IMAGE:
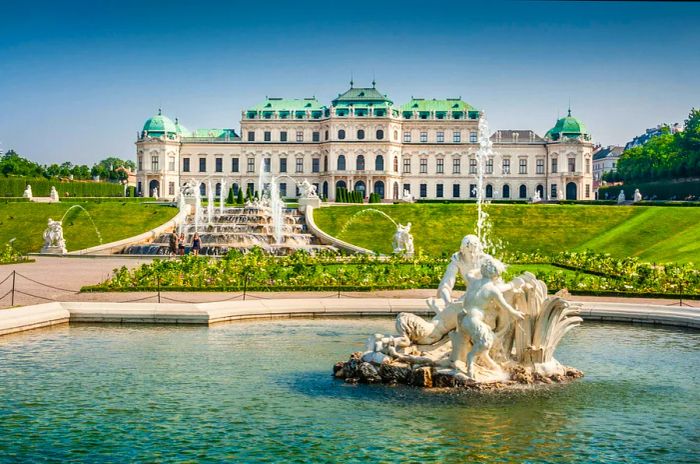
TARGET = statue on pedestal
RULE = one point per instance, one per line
(54, 242)
(407, 196)
(54, 194)
(637, 196)
(155, 192)
(308, 190)
(403, 240)
(537, 198)
(28, 192)
(621, 197)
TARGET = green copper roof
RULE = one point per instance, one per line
(569, 127)
(213, 133)
(159, 124)
(181, 130)
(362, 96)
(449, 104)
(288, 104)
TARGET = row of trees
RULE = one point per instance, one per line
(667, 156)
(110, 169)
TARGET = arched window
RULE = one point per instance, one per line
(326, 135)
(540, 190)
(396, 164)
(380, 134)
(341, 163)
(218, 189)
(360, 134)
(360, 165)
(489, 191)
(506, 191)
(396, 190)
(235, 188)
(379, 163)
(341, 185)
(203, 189)
(523, 191)
(379, 188)
(360, 187)
(341, 134)
(325, 189)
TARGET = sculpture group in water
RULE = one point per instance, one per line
(497, 331)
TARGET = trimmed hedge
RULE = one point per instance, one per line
(663, 190)
(14, 187)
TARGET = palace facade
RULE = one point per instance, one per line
(364, 142)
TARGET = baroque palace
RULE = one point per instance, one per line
(364, 142)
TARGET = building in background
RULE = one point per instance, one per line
(653, 132)
(605, 160)
(363, 141)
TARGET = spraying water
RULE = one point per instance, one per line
(354, 217)
(222, 197)
(210, 202)
(483, 225)
(197, 206)
(99, 235)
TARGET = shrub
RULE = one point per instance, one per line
(14, 187)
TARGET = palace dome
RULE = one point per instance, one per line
(569, 127)
(159, 125)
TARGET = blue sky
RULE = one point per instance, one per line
(78, 79)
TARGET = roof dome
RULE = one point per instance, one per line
(159, 125)
(569, 127)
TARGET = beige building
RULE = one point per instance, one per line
(364, 142)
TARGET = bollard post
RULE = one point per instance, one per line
(245, 285)
(14, 274)
(158, 288)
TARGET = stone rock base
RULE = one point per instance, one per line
(356, 371)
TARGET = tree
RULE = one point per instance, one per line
(239, 198)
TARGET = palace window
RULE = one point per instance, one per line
(553, 192)
(407, 165)
(219, 164)
(523, 191)
(539, 169)
(251, 165)
(489, 191)
(522, 166)
(171, 164)
(202, 165)
(407, 137)
(283, 164)
(267, 164)
(315, 165)
(380, 134)
(440, 166)
(396, 164)
(155, 163)
(267, 136)
(185, 164)
(423, 190)
(440, 136)
(489, 166)
(506, 191)
(235, 165)
(315, 136)
(299, 165)
(171, 188)
(473, 137)
(251, 136)
(341, 134)
(283, 189)
(341, 163)
(439, 190)
(379, 163)
(326, 134)
(506, 166)
(455, 190)
(423, 137)
(456, 165)
(588, 190)
(407, 187)
(554, 166)
(472, 166)
(140, 163)
(360, 134)
(250, 190)
(572, 164)
(283, 136)
(423, 166)
(456, 137)
(360, 163)
(472, 190)
(300, 136)
(588, 168)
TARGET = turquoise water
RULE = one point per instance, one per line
(262, 392)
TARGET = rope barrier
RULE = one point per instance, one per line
(47, 285)
(34, 296)
(6, 278)
(6, 294)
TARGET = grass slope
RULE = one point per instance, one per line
(115, 220)
(657, 234)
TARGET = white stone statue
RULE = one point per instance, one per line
(536, 198)
(28, 192)
(403, 240)
(54, 194)
(155, 192)
(560, 194)
(308, 190)
(407, 196)
(637, 196)
(53, 238)
(189, 188)
(621, 197)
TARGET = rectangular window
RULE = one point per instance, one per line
(267, 136)
(572, 164)
(251, 136)
(424, 166)
(267, 164)
(185, 165)
(171, 188)
(283, 164)
(588, 168)
(588, 190)
(297, 192)
(439, 190)
(554, 166)
(316, 136)
(155, 163)
(455, 190)
(423, 137)
(251, 165)
(553, 192)
(472, 166)
(407, 165)
(202, 165)
(406, 188)
(283, 136)
(300, 165)
(473, 137)
(219, 164)
(456, 137)
(539, 169)
(423, 190)
(235, 165)
(315, 165)
(456, 165)
(440, 136)
(407, 137)
(171, 164)
(472, 190)
(489, 166)
(283, 190)
(522, 166)
(440, 166)
(140, 163)
(300, 136)
(506, 166)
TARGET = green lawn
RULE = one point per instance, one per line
(114, 220)
(653, 233)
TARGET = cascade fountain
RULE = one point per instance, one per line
(222, 197)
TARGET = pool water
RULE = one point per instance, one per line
(263, 392)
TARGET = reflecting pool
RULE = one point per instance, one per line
(263, 391)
